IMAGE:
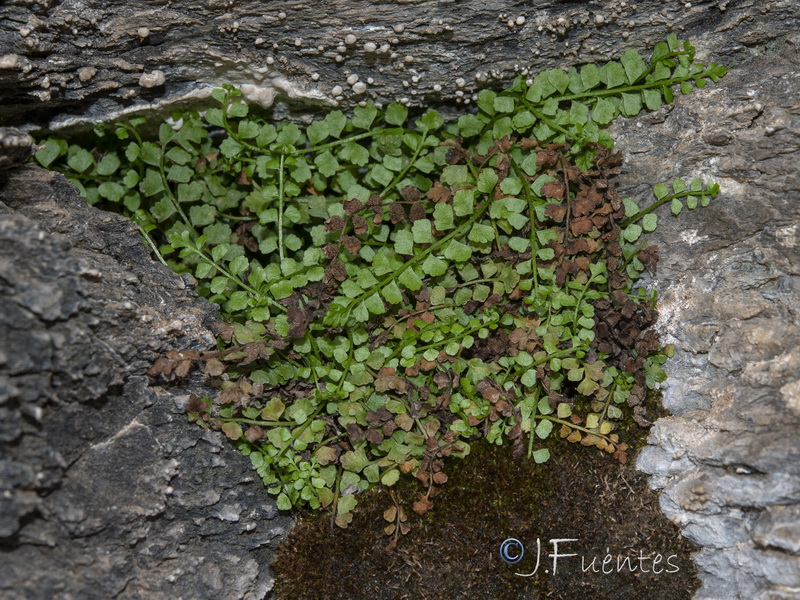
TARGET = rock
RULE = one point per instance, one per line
(15, 147)
(779, 527)
(728, 461)
(107, 490)
(442, 55)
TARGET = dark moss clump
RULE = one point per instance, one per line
(453, 552)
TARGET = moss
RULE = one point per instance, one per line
(453, 551)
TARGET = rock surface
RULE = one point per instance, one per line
(106, 491)
(728, 461)
(78, 61)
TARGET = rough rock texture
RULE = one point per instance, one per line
(88, 453)
(106, 491)
(78, 60)
(728, 461)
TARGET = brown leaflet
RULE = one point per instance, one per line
(335, 223)
(417, 212)
(352, 206)
(330, 251)
(488, 390)
(553, 189)
(254, 433)
(438, 193)
(351, 243)
(337, 270)
(359, 224)
(397, 213)
(557, 212)
(580, 226)
(586, 200)
(410, 193)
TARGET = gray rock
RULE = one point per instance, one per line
(728, 462)
(779, 527)
(106, 490)
(77, 61)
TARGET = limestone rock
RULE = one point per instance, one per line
(729, 279)
(107, 490)
(82, 62)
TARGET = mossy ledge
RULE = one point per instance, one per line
(453, 551)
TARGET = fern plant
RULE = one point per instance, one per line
(395, 288)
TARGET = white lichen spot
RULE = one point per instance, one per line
(143, 32)
(264, 95)
(315, 77)
(691, 237)
(599, 19)
(337, 90)
(86, 73)
(359, 88)
(152, 79)
(437, 87)
(352, 79)
(259, 41)
(399, 28)
(791, 395)
(370, 47)
(520, 20)
(10, 61)
(350, 39)
(281, 15)
(787, 236)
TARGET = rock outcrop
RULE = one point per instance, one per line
(76, 61)
(106, 491)
(728, 461)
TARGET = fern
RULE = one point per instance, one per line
(396, 287)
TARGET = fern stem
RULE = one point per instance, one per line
(280, 206)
